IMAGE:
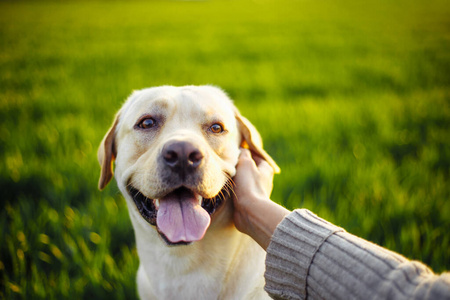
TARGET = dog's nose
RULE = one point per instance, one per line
(182, 156)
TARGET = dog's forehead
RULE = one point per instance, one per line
(193, 101)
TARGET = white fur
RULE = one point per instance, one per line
(225, 264)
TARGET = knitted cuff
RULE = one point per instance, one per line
(291, 251)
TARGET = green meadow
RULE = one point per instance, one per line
(352, 99)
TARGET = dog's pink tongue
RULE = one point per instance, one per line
(181, 218)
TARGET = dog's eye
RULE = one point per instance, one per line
(216, 128)
(147, 123)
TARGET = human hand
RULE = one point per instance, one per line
(253, 183)
(254, 213)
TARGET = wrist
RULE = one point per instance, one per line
(264, 217)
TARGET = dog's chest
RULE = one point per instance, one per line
(197, 284)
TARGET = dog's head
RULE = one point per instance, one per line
(175, 151)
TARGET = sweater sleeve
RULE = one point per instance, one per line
(309, 257)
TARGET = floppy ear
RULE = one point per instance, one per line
(251, 139)
(107, 154)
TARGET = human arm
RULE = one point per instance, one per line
(254, 213)
(310, 257)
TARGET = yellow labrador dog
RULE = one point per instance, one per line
(175, 151)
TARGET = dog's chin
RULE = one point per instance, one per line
(148, 208)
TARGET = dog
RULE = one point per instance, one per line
(175, 151)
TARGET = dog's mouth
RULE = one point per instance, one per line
(182, 216)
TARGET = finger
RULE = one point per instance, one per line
(245, 153)
(265, 168)
(257, 158)
(245, 158)
(261, 162)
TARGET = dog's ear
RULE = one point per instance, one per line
(106, 155)
(251, 139)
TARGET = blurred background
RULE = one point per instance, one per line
(351, 98)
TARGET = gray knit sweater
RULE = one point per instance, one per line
(311, 258)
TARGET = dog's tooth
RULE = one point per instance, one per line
(156, 203)
(199, 199)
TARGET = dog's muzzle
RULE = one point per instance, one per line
(182, 216)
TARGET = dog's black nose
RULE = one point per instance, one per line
(182, 156)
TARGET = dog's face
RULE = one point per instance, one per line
(176, 149)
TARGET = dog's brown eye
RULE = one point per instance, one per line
(216, 128)
(147, 123)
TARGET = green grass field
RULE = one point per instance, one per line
(352, 99)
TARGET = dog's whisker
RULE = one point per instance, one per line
(230, 187)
